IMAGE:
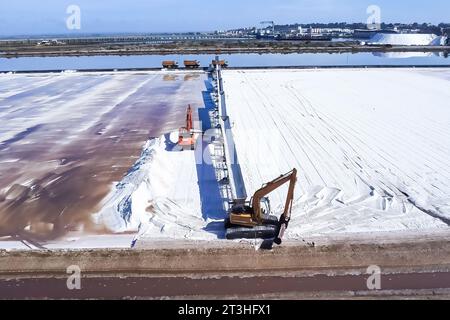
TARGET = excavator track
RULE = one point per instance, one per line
(269, 230)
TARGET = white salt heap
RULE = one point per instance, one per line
(407, 39)
(372, 148)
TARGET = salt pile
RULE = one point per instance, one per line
(404, 39)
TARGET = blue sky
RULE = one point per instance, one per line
(23, 17)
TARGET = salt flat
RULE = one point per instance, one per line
(66, 138)
(372, 146)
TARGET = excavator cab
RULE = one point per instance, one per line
(265, 207)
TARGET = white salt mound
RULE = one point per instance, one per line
(405, 39)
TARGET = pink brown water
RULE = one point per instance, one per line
(65, 140)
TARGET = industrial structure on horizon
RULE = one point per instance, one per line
(265, 31)
(268, 30)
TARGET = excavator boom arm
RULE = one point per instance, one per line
(189, 123)
(272, 186)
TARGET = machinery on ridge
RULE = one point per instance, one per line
(186, 136)
(191, 64)
(170, 64)
(252, 219)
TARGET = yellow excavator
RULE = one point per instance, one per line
(253, 219)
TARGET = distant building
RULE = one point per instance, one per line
(53, 42)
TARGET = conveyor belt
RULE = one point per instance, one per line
(236, 179)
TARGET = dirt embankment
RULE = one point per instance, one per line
(221, 258)
(11, 50)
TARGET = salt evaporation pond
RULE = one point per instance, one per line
(66, 139)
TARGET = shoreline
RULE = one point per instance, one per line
(395, 253)
(205, 69)
(332, 268)
(96, 50)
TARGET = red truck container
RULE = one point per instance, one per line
(192, 64)
(221, 63)
(170, 64)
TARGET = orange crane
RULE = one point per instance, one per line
(253, 220)
(186, 137)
